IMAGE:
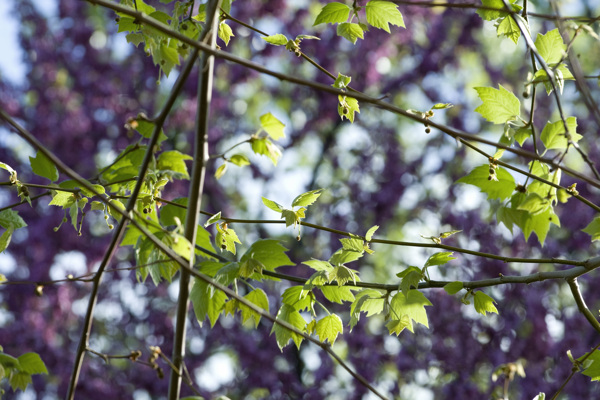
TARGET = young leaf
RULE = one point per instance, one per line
(306, 199)
(382, 13)
(369, 301)
(333, 13)
(484, 304)
(240, 160)
(272, 205)
(342, 81)
(297, 298)
(10, 219)
(495, 189)
(410, 279)
(225, 32)
(319, 265)
(551, 47)
(213, 219)
(63, 199)
(42, 166)
(269, 253)
(347, 106)
(278, 39)
(442, 106)
(350, 31)
(283, 335)
(272, 126)
(259, 298)
(353, 244)
(31, 363)
(226, 239)
(413, 305)
(371, 232)
(593, 229)
(343, 275)
(490, 15)
(439, 258)
(499, 105)
(453, 287)
(328, 328)
(206, 305)
(338, 294)
(591, 366)
(553, 134)
(265, 147)
(508, 27)
(174, 162)
(221, 171)
(396, 326)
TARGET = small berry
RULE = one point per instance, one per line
(427, 130)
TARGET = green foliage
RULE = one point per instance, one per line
(294, 216)
(499, 105)
(380, 15)
(593, 229)
(453, 287)
(20, 369)
(500, 188)
(411, 305)
(591, 365)
(9, 220)
(484, 304)
(283, 335)
(207, 303)
(553, 136)
(42, 166)
(328, 328)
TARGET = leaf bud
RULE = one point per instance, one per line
(39, 290)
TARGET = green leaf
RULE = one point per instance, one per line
(31, 363)
(440, 258)
(453, 287)
(42, 166)
(11, 219)
(265, 147)
(20, 380)
(297, 298)
(593, 229)
(522, 134)
(283, 335)
(272, 126)
(333, 13)
(342, 81)
(534, 203)
(499, 105)
(369, 301)
(484, 304)
(353, 244)
(5, 239)
(350, 31)
(306, 199)
(206, 305)
(343, 275)
(169, 212)
(226, 239)
(382, 13)
(213, 219)
(551, 47)
(398, 325)
(344, 256)
(442, 106)
(319, 265)
(240, 160)
(371, 232)
(526, 221)
(553, 134)
(508, 27)
(63, 199)
(490, 15)
(591, 365)
(272, 205)
(174, 161)
(347, 106)
(278, 39)
(225, 32)
(268, 252)
(500, 189)
(413, 305)
(259, 298)
(410, 278)
(338, 294)
(329, 327)
(221, 171)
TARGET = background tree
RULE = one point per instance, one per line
(86, 86)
